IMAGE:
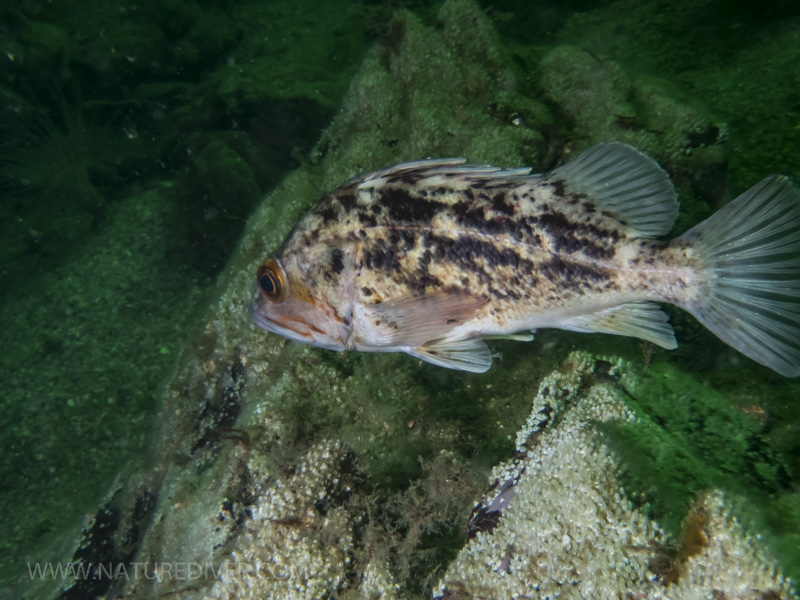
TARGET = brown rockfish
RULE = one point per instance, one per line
(431, 257)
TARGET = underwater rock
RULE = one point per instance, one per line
(77, 378)
(426, 92)
(557, 521)
(604, 102)
(297, 540)
(208, 474)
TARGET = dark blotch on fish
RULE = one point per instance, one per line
(337, 261)
(405, 207)
(574, 275)
(328, 212)
(348, 201)
(572, 237)
(500, 205)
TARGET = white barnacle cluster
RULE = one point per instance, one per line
(729, 563)
(292, 548)
(557, 522)
(377, 582)
(560, 388)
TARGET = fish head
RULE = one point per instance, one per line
(298, 297)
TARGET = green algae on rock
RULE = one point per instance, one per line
(557, 521)
(603, 101)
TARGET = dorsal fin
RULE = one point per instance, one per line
(433, 169)
(628, 184)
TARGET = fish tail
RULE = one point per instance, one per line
(748, 291)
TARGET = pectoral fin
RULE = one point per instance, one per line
(644, 320)
(415, 320)
(465, 354)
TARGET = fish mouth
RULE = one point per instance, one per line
(285, 326)
(316, 325)
(294, 329)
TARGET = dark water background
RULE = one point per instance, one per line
(135, 139)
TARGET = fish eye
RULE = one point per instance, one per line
(271, 280)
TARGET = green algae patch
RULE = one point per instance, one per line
(397, 414)
(736, 59)
(130, 157)
(79, 387)
(688, 438)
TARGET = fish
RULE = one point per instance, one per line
(434, 257)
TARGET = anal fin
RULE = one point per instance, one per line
(643, 320)
(463, 354)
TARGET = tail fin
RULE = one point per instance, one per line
(750, 292)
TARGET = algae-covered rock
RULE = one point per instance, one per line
(292, 51)
(78, 375)
(557, 520)
(425, 93)
(299, 540)
(602, 101)
(244, 407)
(737, 57)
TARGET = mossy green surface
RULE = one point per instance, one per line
(86, 349)
(134, 141)
(689, 437)
(736, 59)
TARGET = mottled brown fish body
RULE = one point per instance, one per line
(531, 248)
(427, 257)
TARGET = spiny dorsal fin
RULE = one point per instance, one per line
(626, 183)
(435, 170)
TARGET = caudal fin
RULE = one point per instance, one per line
(749, 294)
